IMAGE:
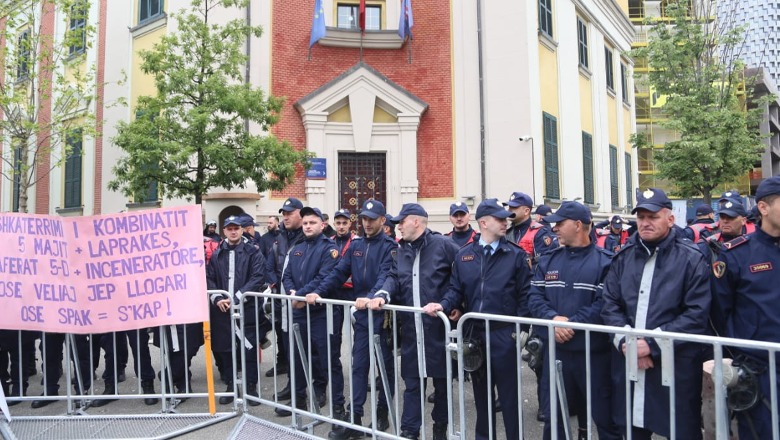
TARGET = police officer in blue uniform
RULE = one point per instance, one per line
(462, 233)
(703, 226)
(367, 263)
(746, 297)
(533, 237)
(541, 213)
(290, 234)
(421, 276)
(658, 280)
(309, 263)
(567, 286)
(236, 267)
(732, 222)
(491, 275)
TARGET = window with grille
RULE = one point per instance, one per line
(551, 171)
(582, 37)
(587, 167)
(613, 176)
(545, 17)
(23, 54)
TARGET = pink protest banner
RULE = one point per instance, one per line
(102, 273)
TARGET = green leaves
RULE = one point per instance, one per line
(191, 136)
(694, 65)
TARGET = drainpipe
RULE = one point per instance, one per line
(482, 154)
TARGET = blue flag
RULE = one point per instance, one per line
(318, 23)
(407, 21)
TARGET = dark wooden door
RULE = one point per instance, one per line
(362, 176)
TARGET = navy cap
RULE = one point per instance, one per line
(389, 221)
(493, 208)
(570, 211)
(290, 205)
(458, 207)
(410, 209)
(652, 199)
(247, 220)
(768, 187)
(732, 208)
(543, 210)
(342, 213)
(753, 214)
(704, 210)
(312, 211)
(617, 222)
(519, 199)
(733, 194)
(372, 209)
(233, 220)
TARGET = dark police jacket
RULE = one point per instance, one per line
(746, 290)
(436, 253)
(679, 301)
(498, 286)
(310, 262)
(248, 277)
(544, 240)
(367, 261)
(274, 263)
(268, 240)
(568, 282)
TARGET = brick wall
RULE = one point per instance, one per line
(428, 77)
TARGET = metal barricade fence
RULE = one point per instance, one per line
(300, 334)
(725, 377)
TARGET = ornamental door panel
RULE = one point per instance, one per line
(362, 176)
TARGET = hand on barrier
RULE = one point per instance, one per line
(376, 303)
(312, 298)
(644, 362)
(455, 314)
(563, 335)
(223, 305)
(433, 308)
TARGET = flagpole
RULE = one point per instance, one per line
(361, 46)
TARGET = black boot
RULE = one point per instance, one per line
(224, 400)
(382, 423)
(342, 433)
(40, 403)
(147, 386)
(15, 392)
(301, 404)
(108, 391)
(251, 390)
(284, 393)
(439, 431)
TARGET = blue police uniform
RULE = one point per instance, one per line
(543, 241)
(248, 276)
(496, 284)
(677, 299)
(367, 262)
(568, 282)
(427, 260)
(310, 262)
(746, 295)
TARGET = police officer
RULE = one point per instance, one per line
(746, 295)
(309, 263)
(703, 226)
(54, 343)
(491, 275)
(659, 280)
(567, 286)
(210, 231)
(614, 237)
(421, 276)
(236, 267)
(139, 344)
(732, 222)
(462, 233)
(290, 234)
(542, 211)
(367, 263)
(533, 237)
(250, 236)
(16, 347)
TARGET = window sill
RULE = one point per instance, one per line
(585, 72)
(143, 205)
(547, 41)
(336, 37)
(150, 25)
(611, 92)
(70, 212)
(627, 105)
(552, 202)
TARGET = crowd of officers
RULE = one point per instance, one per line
(709, 278)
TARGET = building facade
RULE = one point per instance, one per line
(487, 98)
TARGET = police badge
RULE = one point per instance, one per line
(719, 268)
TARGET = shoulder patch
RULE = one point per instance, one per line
(297, 254)
(334, 253)
(393, 253)
(547, 241)
(742, 239)
(719, 269)
(468, 257)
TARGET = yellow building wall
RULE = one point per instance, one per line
(142, 84)
(548, 74)
(586, 105)
(612, 110)
(627, 130)
(623, 5)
